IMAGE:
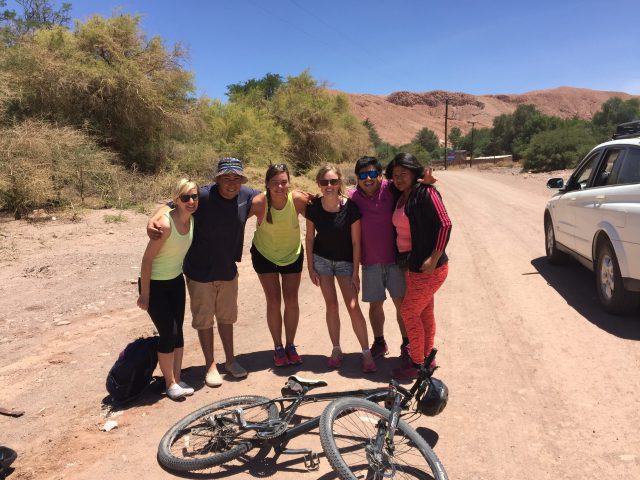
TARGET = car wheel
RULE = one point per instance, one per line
(554, 256)
(611, 292)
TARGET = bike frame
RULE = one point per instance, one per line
(395, 396)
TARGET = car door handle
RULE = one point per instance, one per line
(600, 197)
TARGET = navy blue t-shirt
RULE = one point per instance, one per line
(218, 235)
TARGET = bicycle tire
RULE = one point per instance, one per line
(347, 428)
(213, 446)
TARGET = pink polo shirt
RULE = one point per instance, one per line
(377, 229)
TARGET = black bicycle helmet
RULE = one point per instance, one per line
(434, 399)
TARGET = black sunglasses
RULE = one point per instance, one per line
(330, 181)
(369, 174)
(185, 198)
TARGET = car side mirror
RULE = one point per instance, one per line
(556, 182)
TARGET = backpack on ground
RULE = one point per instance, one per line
(133, 371)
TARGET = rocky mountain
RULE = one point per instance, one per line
(400, 115)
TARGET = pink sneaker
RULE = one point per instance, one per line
(335, 360)
(292, 355)
(280, 357)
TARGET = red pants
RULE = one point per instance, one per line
(417, 310)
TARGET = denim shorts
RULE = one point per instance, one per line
(380, 277)
(337, 268)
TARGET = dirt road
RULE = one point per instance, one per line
(543, 383)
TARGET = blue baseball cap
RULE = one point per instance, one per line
(230, 166)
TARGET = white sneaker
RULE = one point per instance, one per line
(187, 388)
(176, 392)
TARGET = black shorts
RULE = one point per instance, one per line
(262, 265)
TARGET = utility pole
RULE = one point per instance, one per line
(446, 130)
(473, 124)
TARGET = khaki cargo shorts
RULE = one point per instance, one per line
(213, 300)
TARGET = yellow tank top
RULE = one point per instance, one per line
(279, 242)
(168, 263)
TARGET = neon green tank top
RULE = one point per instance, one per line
(168, 263)
(279, 242)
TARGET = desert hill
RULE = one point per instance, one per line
(400, 115)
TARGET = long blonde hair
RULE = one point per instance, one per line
(330, 167)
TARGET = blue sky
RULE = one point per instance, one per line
(380, 47)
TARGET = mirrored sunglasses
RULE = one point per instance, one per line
(328, 181)
(185, 198)
(368, 174)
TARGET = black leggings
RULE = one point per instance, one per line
(166, 309)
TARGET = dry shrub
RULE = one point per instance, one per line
(44, 166)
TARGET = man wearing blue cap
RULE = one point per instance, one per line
(210, 264)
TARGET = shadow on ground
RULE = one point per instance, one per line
(577, 286)
(263, 462)
(316, 366)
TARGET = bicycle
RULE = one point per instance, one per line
(222, 431)
(363, 440)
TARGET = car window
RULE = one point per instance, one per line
(609, 162)
(580, 179)
(629, 171)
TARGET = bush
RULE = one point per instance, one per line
(42, 165)
(560, 148)
(319, 125)
(105, 75)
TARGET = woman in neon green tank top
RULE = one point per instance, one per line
(277, 257)
(162, 290)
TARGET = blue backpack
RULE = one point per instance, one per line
(133, 371)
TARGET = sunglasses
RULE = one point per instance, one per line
(328, 181)
(185, 198)
(368, 174)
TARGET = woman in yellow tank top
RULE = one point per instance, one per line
(162, 290)
(277, 257)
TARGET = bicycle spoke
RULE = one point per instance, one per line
(361, 440)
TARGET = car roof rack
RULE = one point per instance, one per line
(627, 130)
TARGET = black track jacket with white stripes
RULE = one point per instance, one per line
(430, 225)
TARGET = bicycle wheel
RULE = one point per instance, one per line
(195, 443)
(348, 430)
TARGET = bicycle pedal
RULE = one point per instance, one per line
(311, 461)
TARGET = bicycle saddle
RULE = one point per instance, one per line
(308, 383)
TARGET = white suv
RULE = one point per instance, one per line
(595, 218)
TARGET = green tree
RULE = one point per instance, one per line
(35, 14)
(427, 139)
(107, 76)
(511, 133)
(384, 151)
(614, 112)
(237, 129)
(263, 88)
(455, 137)
(481, 139)
(423, 155)
(319, 124)
(559, 148)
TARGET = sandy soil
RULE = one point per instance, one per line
(543, 384)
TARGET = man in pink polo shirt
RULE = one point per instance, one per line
(376, 199)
